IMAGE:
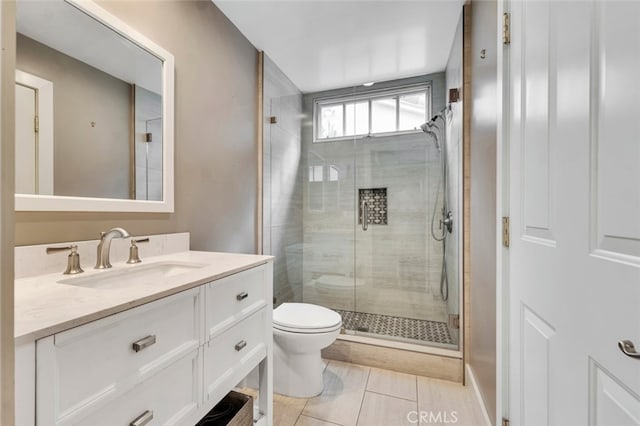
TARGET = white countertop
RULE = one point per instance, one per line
(44, 307)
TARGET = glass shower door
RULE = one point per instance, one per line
(399, 293)
(329, 206)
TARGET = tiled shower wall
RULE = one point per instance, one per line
(391, 269)
(282, 184)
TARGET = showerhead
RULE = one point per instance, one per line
(431, 128)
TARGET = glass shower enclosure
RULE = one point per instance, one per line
(349, 200)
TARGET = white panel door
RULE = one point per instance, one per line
(574, 204)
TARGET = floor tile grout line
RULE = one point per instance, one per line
(320, 420)
(393, 396)
(307, 401)
(366, 383)
(300, 413)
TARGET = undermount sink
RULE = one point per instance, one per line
(132, 274)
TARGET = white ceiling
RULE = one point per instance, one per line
(323, 44)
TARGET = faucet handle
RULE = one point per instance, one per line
(73, 260)
(133, 250)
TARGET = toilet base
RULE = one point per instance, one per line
(298, 375)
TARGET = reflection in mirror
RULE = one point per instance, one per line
(88, 108)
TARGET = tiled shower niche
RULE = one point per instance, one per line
(376, 198)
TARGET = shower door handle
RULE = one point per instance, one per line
(365, 216)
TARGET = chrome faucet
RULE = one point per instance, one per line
(102, 260)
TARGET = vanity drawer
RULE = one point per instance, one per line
(230, 356)
(168, 398)
(232, 298)
(83, 368)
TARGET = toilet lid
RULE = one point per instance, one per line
(305, 316)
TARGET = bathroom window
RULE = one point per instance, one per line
(382, 112)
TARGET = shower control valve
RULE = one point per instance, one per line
(447, 222)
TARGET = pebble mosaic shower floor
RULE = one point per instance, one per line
(430, 331)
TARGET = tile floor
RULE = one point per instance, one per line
(355, 395)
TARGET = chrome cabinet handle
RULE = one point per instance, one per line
(365, 216)
(240, 345)
(242, 296)
(144, 343)
(627, 347)
(142, 419)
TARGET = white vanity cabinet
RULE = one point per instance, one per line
(167, 362)
(236, 330)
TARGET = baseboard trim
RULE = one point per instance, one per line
(474, 384)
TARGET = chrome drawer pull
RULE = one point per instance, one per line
(142, 419)
(240, 345)
(144, 343)
(242, 296)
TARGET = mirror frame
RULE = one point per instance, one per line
(30, 202)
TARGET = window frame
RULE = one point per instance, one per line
(370, 96)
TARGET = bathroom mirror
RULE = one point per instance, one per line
(94, 112)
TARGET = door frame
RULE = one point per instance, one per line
(7, 213)
(502, 207)
(44, 108)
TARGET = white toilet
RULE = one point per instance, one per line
(300, 331)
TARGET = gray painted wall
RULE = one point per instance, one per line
(483, 201)
(215, 134)
(282, 185)
(89, 160)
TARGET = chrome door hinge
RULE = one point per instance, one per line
(36, 124)
(506, 29)
(505, 231)
(454, 321)
(505, 422)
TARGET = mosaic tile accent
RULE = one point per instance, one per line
(430, 331)
(376, 198)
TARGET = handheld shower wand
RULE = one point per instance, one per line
(446, 221)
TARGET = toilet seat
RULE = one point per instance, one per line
(305, 318)
(307, 330)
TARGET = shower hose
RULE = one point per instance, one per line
(444, 281)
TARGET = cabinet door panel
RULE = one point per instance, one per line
(84, 368)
